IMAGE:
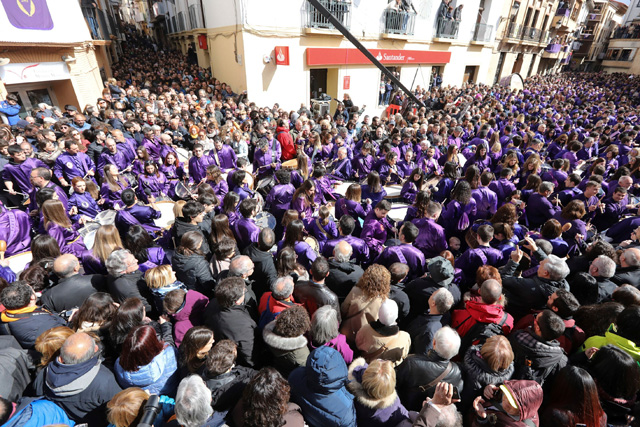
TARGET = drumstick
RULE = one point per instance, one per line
(17, 192)
(3, 249)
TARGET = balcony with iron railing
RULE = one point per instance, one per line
(97, 23)
(530, 34)
(482, 33)
(447, 28)
(513, 31)
(399, 22)
(341, 10)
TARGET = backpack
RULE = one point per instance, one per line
(267, 316)
(480, 333)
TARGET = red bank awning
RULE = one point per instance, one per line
(327, 56)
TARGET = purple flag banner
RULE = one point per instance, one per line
(28, 14)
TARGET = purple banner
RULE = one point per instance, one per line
(28, 14)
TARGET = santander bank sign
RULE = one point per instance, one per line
(329, 56)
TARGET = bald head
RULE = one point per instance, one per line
(342, 252)
(630, 258)
(241, 266)
(66, 266)
(78, 348)
(625, 181)
(490, 291)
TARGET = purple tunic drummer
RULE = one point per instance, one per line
(72, 164)
(16, 174)
(376, 225)
(198, 164)
(152, 183)
(58, 225)
(14, 229)
(431, 238)
(223, 155)
(245, 228)
(293, 239)
(405, 253)
(111, 155)
(112, 186)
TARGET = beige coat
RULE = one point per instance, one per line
(396, 346)
(357, 311)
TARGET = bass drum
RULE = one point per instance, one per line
(167, 218)
(184, 190)
(265, 219)
(107, 217)
(265, 185)
(17, 263)
(88, 233)
(311, 241)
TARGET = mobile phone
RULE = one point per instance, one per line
(456, 394)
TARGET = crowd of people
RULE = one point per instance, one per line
(285, 290)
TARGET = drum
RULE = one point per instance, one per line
(341, 189)
(290, 164)
(265, 185)
(88, 233)
(393, 192)
(132, 178)
(167, 218)
(185, 190)
(398, 211)
(311, 241)
(107, 217)
(17, 263)
(265, 219)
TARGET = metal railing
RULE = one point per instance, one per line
(482, 32)
(530, 34)
(341, 10)
(447, 28)
(513, 31)
(399, 22)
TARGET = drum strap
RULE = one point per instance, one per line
(321, 228)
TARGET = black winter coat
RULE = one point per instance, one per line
(194, 272)
(343, 276)
(72, 292)
(226, 389)
(233, 323)
(264, 269)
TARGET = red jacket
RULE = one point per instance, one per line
(275, 306)
(463, 320)
(286, 142)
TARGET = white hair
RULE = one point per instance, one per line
(324, 325)
(631, 257)
(193, 402)
(557, 268)
(340, 255)
(282, 288)
(446, 342)
(116, 262)
(443, 299)
(605, 265)
(388, 312)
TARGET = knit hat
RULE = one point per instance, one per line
(441, 271)
(388, 313)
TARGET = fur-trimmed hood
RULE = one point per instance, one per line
(282, 343)
(356, 370)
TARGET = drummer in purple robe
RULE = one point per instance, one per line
(265, 162)
(82, 205)
(111, 155)
(293, 239)
(174, 171)
(442, 190)
(199, 163)
(303, 201)
(405, 252)
(126, 145)
(149, 142)
(279, 198)
(483, 254)
(413, 184)
(389, 172)
(245, 228)
(323, 227)
(539, 207)
(152, 182)
(217, 182)
(112, 185)
(58, 225)
(325, 191)
(241, 187)
(431, 239)
(41, 178)
(486, 199)
(346, 227)
(376, 225)
(407, 164)
(166, 146)
(223, 155)
(341, 168)
(363, 162)
(503, 187)
(17, 173)
(353, 205)
(429, 164)
(73, 163)
(135, 214)
(14, 229)
(571, 190)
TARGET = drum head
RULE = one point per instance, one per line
(168, 217)
(265, 219)
(311, 241)
(89, 239)
(17, 263)
(89, 228)
(290, 164)
(184, 191)
(106, 217)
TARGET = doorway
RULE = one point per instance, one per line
(470, 72)
(318, 82)
(30, 95)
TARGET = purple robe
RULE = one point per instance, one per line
(86, 205)
(406, 167)
(153, 148)
(69, 241)
(20, 174)
(322, 233)
(107, 158)
(486, 202)
(405, 254)
(92, 264)
(472, 259)
(246, 232)
(375, 197)
(155, 257)
(220, 189)
(388, 175)
(279, 199)
(226, 158)
(14, 229)
(233, 217)
(69, 167)
(305, 211)
(539, 210)
(262, 163)
(456, 218)
(112, 198)
(137, 215)
(157, 184)
(409, 191)
(360, 249)
(431, 238)
(357, 211)
(362, 165)
(305, 254)
(429, 166)
(503, 189)
(342, 169)
(374, 231)
(62, 196)
(198, 167)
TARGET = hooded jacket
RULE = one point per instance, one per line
(343, 276)
(226, 389)
(160, 376)
(180, 227)
(372, 412)
(26, 324)
(288, 352)
(193, 270)
(264, 269)
(373, 337)
(233, 323)
(528, 396)
(319, 388)
(82, 390)
(610, 337)
(463, 320)
(36, 413)
(536, 359)
(478, 374)
(191, 314)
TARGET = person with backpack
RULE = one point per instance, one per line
(279, 299)
(538, 354)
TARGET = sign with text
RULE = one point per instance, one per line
(327, 56)
(30, 73)
(282, 55)
(346, 84)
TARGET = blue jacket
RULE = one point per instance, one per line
(36, 413)
(158, 377)
(319, 389)
(11, 111)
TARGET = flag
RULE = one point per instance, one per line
(28, 14)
